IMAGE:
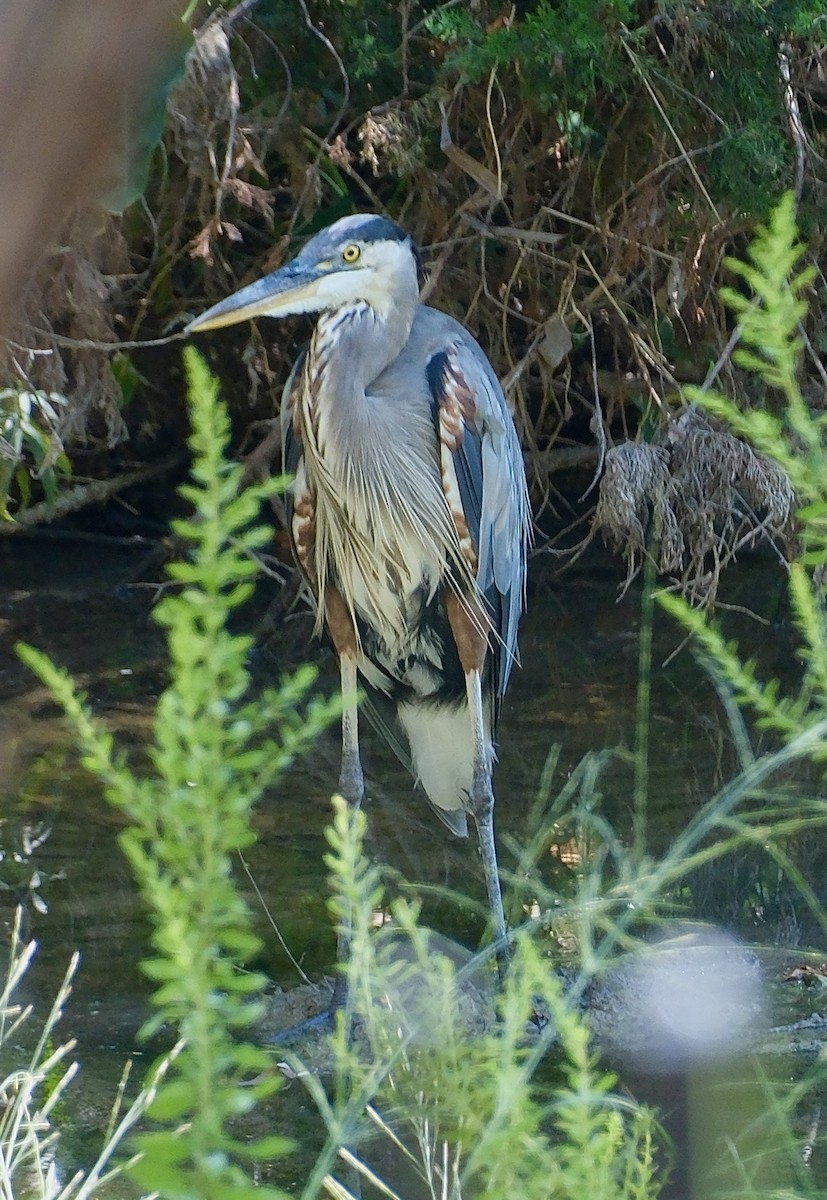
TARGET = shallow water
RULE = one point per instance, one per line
(576, 689)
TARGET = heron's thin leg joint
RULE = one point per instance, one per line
(488, 854)
(343, 635)
(351, 778)
(352, 787)
(470, 626)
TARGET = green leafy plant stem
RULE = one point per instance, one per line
(215, 751)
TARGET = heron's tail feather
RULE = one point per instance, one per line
(454, 818)
(416, 735)
(439, 736)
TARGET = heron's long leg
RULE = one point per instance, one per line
(343, 634)
(470, 629)
(352, 787)
(351, 779)
(481, 798)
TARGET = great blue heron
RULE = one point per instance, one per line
(408, 513)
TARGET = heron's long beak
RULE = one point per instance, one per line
(291, 290)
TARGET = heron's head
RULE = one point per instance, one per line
(358, 258)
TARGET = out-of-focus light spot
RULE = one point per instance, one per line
(691, 999)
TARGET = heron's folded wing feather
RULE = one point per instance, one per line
(291, 446)
(487, 459)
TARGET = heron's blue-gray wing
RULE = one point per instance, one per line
(479, 440)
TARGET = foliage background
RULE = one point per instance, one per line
(575, 172)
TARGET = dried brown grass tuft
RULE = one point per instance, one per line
(73, 294)
(701, 496)
(637, 491)
(206, 136)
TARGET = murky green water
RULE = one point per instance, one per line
(576, 688)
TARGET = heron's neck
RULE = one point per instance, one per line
(354, 344)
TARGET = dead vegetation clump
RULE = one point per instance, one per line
(568, 266)
(92, 285)
(636, 492)
(70, 306)
(696, 499)
(213, 148)
(389, 142)
(581, 241)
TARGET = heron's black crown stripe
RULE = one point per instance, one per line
(380, 229)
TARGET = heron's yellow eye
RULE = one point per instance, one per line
(351, 253)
